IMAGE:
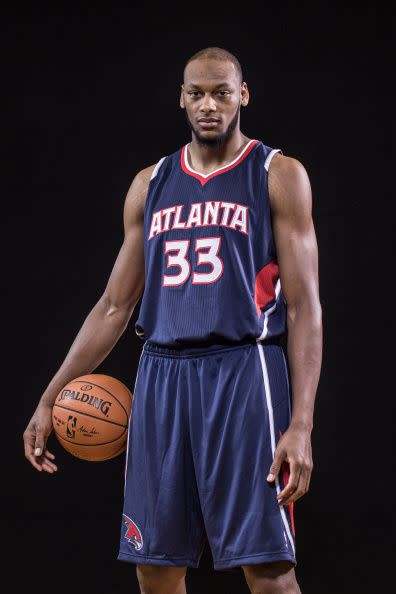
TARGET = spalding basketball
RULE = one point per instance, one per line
(90, 417)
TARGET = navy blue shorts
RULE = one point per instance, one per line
(204, 426)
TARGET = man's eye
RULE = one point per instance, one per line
(224, 93)
(194, 93)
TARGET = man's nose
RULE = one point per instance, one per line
(208, 103)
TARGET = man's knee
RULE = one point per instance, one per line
(158, 579)
(271, 578)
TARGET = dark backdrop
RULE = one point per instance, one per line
(92, 99)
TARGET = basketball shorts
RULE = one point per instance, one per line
(204, 426)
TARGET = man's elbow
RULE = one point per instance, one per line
(307, 310)
(120, 312)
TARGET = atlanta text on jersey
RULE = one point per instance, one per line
(202, 214)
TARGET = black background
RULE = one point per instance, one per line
(93, 98)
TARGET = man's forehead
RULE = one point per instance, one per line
(209, 71)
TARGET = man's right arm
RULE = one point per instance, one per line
(103, 326)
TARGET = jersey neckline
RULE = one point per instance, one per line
(205, 177)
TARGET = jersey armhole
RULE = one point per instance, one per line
(269, 158)
(153, 176)
(157, 167)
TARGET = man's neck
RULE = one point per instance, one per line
(207, 158)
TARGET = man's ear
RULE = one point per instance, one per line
(182, 105)
(244, 94)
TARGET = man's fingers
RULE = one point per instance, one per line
(276, 465)
(41, 463)
(299, 492)
(49, 463)
(49, 456)
(295, 471)
(33, 461)
(48, 468)
(29, 440)
(296, 494)
(39, 443)
(301, 489)
(34, 442)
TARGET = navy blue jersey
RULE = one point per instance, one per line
(211, 272)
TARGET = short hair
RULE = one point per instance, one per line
(216, 53)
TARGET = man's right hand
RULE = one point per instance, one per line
(35, 439)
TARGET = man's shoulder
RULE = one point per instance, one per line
(139, 187)
(284, 166)
(144, 176)
(289, 186)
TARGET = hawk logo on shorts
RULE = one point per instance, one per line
(133, 533)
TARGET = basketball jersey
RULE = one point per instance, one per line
(211, 272)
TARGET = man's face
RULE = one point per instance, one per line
(212, 96)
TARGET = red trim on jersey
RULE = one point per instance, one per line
(285, 474)
(204, 179)
(264, 287)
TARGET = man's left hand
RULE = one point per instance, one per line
(294, 447)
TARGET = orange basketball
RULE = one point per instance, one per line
(90, 417)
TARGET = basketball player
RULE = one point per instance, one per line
(220, 243)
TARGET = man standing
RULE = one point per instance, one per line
(219, 242)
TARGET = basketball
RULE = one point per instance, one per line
(90, 417)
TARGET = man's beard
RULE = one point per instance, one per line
(216, 140)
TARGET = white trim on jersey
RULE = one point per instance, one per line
(268, 399)
(269, 158)
(130, 417)
(205, 175)
(270, 310)
(157, 168)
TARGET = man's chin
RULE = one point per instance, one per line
(209, 137)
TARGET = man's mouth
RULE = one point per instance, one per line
(208, 123)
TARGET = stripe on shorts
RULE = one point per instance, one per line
(272, 433)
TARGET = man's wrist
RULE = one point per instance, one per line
(301, 424)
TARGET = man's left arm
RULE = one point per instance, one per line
(294, 234)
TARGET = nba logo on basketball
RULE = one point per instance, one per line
(71, 426)
(133, 534)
